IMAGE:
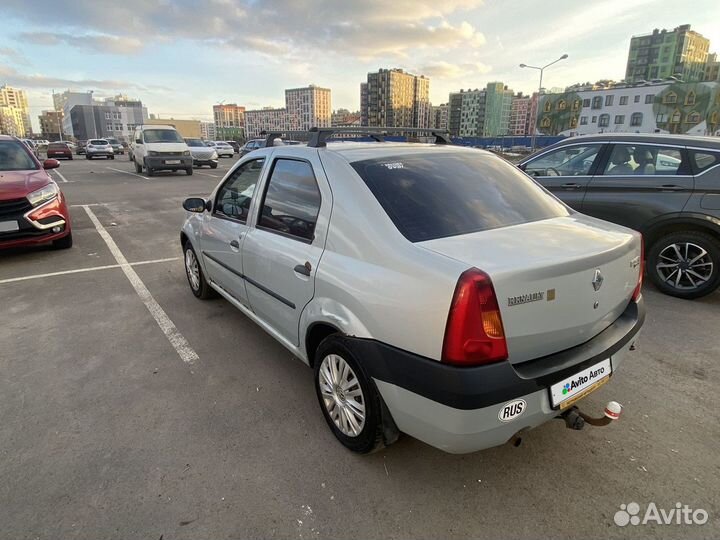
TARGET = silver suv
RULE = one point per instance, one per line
(435, 290)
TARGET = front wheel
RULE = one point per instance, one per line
(685, 264)
(348, 399)
(196, 279)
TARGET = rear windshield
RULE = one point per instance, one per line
(15, 157)
(162, 135)
(98, 142)
(440, 195)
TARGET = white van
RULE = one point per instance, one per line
(160, 148)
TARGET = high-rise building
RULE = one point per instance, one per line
(270, 119)
(15, 111)
(439, 116)
(50, 125)
(207, 131)
(229, 121)
(310, 105)
(519, 115)
(680, 52)
(395, 99)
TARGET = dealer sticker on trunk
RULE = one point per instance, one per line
(569, 390)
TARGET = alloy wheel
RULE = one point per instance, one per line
(684, 265)
(342, 395)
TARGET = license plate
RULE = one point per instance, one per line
(172, 162)
(9, 226)
(575, 387)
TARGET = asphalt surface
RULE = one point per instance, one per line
(107, 433)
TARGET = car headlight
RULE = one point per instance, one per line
(153, 153)
(186, 153)
(44, 194)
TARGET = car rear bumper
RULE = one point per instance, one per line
(458, 409)
(45, 223)
(161, 163)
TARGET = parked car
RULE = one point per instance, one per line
(223, 149)
(435, 290)
(98, 148)
(235, 146)
(160, 148)
(665, 186)
(117, 146)
(202, 154)
(59, 150)
(32, 207)
(80, 149)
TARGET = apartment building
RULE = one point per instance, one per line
(664, 107)
(310, 105)
(14, 112)
(680, 52)
(393, 98)
(270, 119)
(229, 121)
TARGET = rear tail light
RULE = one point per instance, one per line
(474, 333)
(637, 293)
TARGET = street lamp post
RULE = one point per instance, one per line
(540, 69)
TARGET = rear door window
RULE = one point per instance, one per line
(440, 195)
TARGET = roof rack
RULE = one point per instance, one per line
(319, 136)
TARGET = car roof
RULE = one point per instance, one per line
(649, 138)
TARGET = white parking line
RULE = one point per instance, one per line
(61, 176)
(176, 339)
(128, 172)
(79, 270)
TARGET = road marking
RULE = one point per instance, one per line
(176, 339)
(61, 176)
(207, 174)
(128, 172)
(79, 270)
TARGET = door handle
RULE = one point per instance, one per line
(303, 269)
(670, 187)
(571, 185)
(235, 244)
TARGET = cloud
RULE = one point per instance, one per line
(90, 43)
(13, 78)
(272, 27)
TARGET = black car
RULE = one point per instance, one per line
(665, 186)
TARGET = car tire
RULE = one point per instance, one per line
(65, 242)
(138, 167)
(363, 436)
(196, 279)
(680, 252)
(189, 171)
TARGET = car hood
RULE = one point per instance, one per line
(17, 184)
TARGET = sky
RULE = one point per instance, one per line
(181, 57)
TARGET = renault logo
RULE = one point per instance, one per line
(597, 280)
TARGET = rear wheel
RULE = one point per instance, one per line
(349, 401)
(685, 264)
(195, 276)
(65, 242)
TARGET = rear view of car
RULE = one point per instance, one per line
(59, 150)
(32, 207)
(99, 148)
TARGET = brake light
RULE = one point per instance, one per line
(637, 293)
(474, 333)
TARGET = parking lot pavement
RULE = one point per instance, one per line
(107, 432)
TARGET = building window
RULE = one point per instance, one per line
(609, 100)
(623, 100)
(586, 102)
(597, 102)
(636, 119)
(594, 119)
(604, 120)
(649, 98)
(583, 120)
(671, 97)
(637, 99)
(620, 119)
(690, 98)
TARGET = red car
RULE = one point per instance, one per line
(59, 150)
(32, 207)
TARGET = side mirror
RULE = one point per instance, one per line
(194, 204)
(138, 141)
(51, 164)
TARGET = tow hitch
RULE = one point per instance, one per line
(576, 419)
